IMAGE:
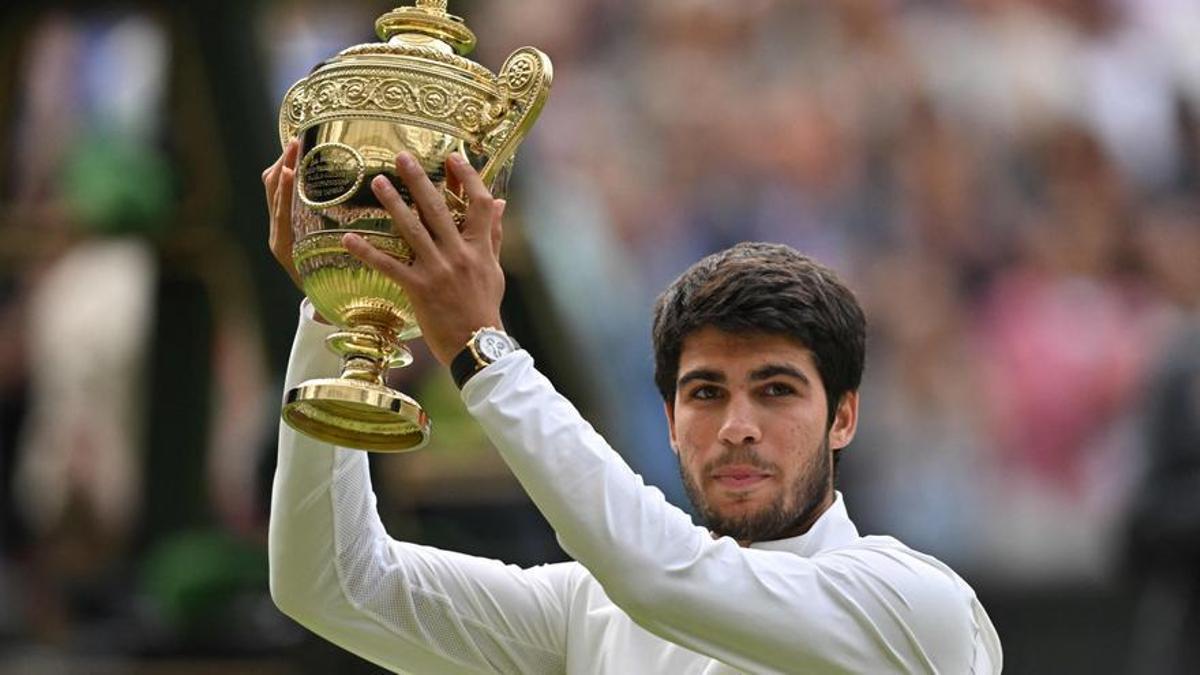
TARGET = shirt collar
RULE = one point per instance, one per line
(833, 529)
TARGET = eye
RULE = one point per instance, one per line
(778, 389)
(705, 392)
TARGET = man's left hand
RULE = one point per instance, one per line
(454, 282)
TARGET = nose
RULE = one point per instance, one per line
(740, 426)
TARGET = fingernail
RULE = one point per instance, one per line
(457, 159)
(350, 239)
(380, 183)
(406, 160)
(501, 204)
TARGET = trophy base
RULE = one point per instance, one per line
(354, 414)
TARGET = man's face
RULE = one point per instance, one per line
(749, 426)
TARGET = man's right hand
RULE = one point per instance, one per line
(280, 181)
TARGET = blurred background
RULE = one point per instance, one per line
(1012, 187)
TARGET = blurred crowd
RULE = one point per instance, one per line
(1012, 187)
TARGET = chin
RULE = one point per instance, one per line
(757, 494)
(742, 506)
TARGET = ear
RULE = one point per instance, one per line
(845, 421)
(669, 408)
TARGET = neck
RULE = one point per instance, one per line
(802, 524)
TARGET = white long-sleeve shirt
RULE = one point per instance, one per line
(650, 592)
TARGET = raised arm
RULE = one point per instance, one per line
(403, 606)
(335, 570)
(881, 608)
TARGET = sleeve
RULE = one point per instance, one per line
(405, 607)
(856, 609)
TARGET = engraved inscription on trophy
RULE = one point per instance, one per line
(330, 174)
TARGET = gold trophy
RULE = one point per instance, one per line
(415, 91)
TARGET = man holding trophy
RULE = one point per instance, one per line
(759, 354)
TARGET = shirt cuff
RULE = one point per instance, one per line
(482, 382)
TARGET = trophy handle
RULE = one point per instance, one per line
(525, 81)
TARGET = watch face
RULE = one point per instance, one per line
(493, 345)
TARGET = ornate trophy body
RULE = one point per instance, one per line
(354, 114)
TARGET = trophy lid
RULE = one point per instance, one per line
(420, 75)
(424, 31)
(427, 19)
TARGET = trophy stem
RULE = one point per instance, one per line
(363, 369)
(358, 410)
(368, 351)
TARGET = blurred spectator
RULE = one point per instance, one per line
(109, 462)
(1164, 545)
(1164, 550)
(919, 454)
(1064, 335)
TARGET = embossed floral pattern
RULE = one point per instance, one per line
(460, 106)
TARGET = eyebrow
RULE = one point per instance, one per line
(706, 374)
(775, 369)
(765, 372)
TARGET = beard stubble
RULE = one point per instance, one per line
(791, 513)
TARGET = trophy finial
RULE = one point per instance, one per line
(436, 6)
(429, 18)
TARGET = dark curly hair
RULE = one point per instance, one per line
(764, 288)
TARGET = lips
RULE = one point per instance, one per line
(739, 476)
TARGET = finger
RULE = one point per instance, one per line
(268, 174)
(455, 197)
(497, 233)
(405, 222)
(270, 182)
(283, 185)
(372, 257)
(281, 212)
(268, 178)
(432, 206)
(271, 175)
(453, 185)
(282, 236)
(291, 154)
(479, 210)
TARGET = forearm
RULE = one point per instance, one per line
(301, 530)
(321, 494)
(596, 503)
(335, 570)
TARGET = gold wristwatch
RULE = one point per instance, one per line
(485, 346)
